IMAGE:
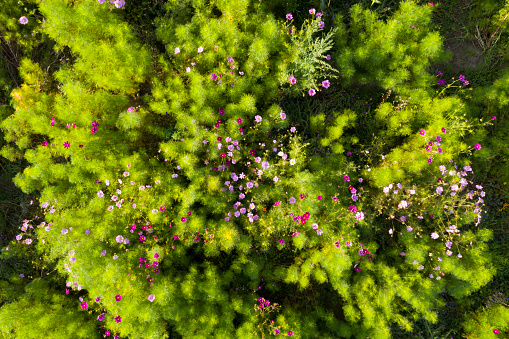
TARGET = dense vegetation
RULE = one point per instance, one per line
(243, 168)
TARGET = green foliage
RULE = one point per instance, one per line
(485, 322)
(210, 258)
(395, 53)
(43, 312)
(109, 56)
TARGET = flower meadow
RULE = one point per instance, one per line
(179, 198)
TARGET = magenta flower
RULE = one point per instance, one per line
(67, 144)
(312, 92)
(156, 255)
(44, 143)
(441, 82)
(213, 76)
(84, 305)
(276, 331)
(290, 332)
(101, 317)
(118, 297)
(477, 146)
(289, 16)
(495, 331)
(352, 209)
(346, 178)
(429, 160)
(183, 219)
(118, 319)
(282, 242)
(142, 238)
(494, 117)
(239, 120)
(443, 130)
(292, 80)
(422, 132)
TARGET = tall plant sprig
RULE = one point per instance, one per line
(309, 54)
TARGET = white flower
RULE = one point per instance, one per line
(359, 216)
(434, 235)
(188, 69)
(292, 162)
(177, 50)
(200, 49)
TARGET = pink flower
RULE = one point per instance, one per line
(312, 92)
(292, 80)
(326, 83)
(312, 11)
(477, 146)
(289, 16)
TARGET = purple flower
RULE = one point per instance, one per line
(213, 76)
(119, 3)
(101, 317)
(441, 82)
(23, 20)
(321, 24)
(151, 297)
(312, 92)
